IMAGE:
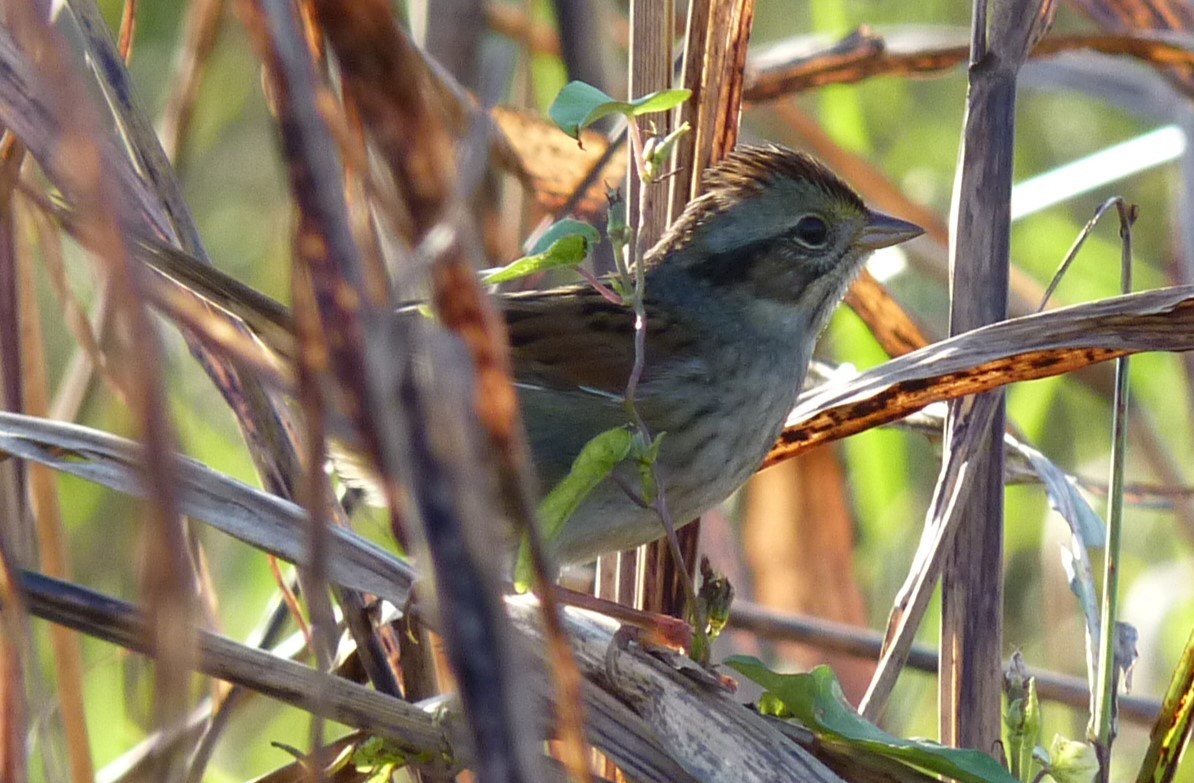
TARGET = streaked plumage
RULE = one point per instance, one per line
(736, 294)
(737, 291)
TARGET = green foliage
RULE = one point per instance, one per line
(579, 105)
(644, 455)
(657, 151)
(1070, 761)
(595, 462)
(816, 700)
(378, 759)
(566, 244)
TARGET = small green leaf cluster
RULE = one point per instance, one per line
(1021, 717)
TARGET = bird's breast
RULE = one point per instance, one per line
(718, 416)
(721, 422)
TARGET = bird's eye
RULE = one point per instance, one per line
(811, 231)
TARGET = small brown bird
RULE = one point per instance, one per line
(737, 292)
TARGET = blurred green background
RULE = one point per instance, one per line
(908, 128)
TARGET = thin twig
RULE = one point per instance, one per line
(1103, 728)
(1079, 241)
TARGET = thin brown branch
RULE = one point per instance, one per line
(201, 28)
(46, 509)
(805, 64)
(128, 28)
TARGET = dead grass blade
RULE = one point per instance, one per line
(413, 729)
(16, 656)
(46, 509)
(154, 207)
(258, 518)
(134, 125)
(85, 177)
(17, 541)
(1021, 349)
(200, 31)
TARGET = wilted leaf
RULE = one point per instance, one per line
(1076, 563)
(1066, 500)
(816, 700)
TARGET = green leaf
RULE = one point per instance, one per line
(377, 752)
(663, 100)
(566, 243)
(579, 105)
(816, 700)
(565, 228)
(1072, 761)
(645, 455)
(1022, 725)
(596, 460)
(658, 150)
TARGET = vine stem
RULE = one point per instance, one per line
(633, 276)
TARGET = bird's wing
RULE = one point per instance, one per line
(574, 340)
(569, 340)
(573, 353)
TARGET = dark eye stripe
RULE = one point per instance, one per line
(731, 267)
(758, 266)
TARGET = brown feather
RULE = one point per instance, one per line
(568, 338)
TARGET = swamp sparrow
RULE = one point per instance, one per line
(736, 293)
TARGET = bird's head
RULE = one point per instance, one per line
(777, 231)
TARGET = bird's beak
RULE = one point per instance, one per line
(884, 231)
